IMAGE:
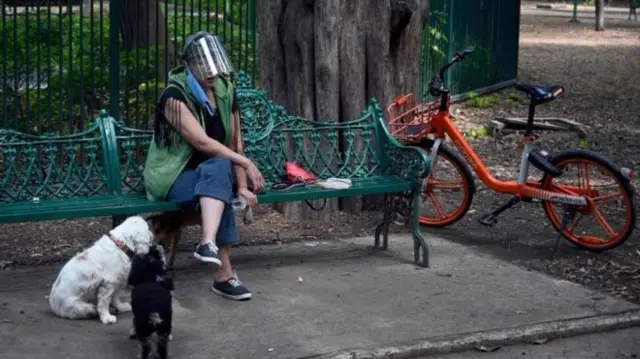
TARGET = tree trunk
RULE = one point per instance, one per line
(324, 59)
(142, 25)
(599, 15)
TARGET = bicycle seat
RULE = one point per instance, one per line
(541, 93)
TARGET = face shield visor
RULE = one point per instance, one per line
(206, 57)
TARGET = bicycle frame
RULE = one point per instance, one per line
(441, 126)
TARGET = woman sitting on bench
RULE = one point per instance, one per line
(196, 156)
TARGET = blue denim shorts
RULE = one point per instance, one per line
(214, 178)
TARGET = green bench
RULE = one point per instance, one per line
(99, 172)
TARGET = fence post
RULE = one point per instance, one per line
(251, 29)
(114, 58)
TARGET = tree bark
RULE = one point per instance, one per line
(599, 15)
(324, 59)
(142, 24)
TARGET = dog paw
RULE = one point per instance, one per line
(108, 319)
(123, 307)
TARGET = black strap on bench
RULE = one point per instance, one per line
(287, 185)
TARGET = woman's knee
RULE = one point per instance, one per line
(215, 179)
(217, 165)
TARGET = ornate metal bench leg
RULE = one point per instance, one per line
(380, 227)
(117, 220)
(419, 243)
(389, 208)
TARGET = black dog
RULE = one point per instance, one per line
(151, 302)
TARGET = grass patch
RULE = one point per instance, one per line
(481, 132)
(483, 101)
(515, 97)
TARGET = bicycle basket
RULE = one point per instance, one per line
(408, 121)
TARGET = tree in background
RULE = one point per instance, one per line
(324, 59)
(142, 24)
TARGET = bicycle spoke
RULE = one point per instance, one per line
(583, 173)
(438, 205)
(446, 185)
(607, 198)
(603, 222)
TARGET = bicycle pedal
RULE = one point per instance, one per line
(488, 220)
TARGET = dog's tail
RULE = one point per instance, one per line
(155, 319)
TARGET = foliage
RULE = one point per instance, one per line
(55, 70)
(483, 101)
(434, 32)
(477, 133)
(47, 60)
(515, 97)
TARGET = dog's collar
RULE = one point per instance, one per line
(122, 246)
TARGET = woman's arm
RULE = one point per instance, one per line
(179, 116)
(241, 174)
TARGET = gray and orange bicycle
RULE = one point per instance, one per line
(566, 205)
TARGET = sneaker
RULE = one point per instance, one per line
(231, 289)
(207, 252)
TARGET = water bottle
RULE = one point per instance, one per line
(238, 204)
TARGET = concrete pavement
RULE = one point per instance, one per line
(310, 299)
(583, 12)
(619, 344)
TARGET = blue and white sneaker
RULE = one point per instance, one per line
(207, 252)
(231, 289)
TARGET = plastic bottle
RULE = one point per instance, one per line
(238, 204)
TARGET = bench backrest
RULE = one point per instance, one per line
(34, 168)
(108, 157)
(271, 137)
(326, 148)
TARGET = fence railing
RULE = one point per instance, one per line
(61, 61)
(492, 26)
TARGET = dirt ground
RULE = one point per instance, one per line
(600, 73)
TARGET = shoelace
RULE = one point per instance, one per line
(235, 282)
(212, 247)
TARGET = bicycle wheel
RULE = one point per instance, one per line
(612, 188)
(450, 189)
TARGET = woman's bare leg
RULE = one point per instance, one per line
(211, 210)
(225, 272)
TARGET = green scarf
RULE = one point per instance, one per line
(224, 89)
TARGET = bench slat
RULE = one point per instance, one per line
(99, 206)
(360, 187)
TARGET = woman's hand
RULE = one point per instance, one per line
(255, 176)
(250, 197)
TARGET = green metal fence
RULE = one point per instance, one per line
(62, 61)
(492, 26)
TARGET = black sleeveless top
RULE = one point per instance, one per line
(213, 124)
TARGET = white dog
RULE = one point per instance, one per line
(96, 278)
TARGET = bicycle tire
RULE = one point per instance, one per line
(624, 183)
(444, 151)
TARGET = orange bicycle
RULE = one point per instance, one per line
(566, 205)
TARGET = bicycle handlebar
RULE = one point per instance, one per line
(459, 56)
(436, 86)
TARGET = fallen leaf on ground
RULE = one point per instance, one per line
(487, 348)
(540, 341)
